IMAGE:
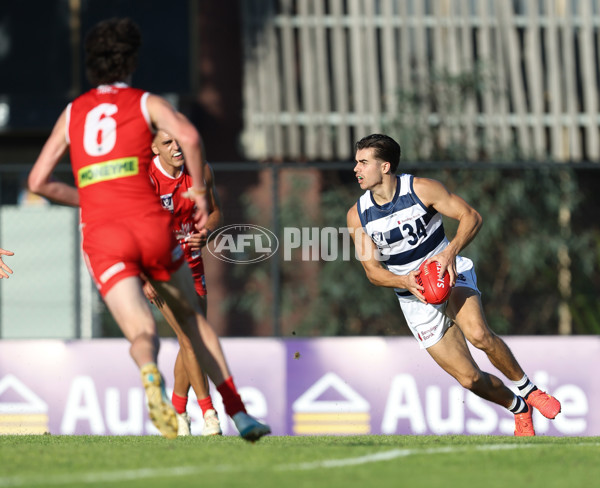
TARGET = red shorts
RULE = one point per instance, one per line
(119, 249)
(197, 267)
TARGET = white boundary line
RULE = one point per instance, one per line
(400, 453)
(139, 474)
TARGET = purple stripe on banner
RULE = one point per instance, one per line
(336, 386)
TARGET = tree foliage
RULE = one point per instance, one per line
(516, 253)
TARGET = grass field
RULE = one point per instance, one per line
(365, 461)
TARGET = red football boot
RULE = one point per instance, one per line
(548, 406)
(524, 424)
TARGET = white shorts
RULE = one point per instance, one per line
(427, 322)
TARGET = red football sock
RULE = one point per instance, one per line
(231, 398)
(179, 403)
(206, 404)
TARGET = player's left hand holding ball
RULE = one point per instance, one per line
(447, 262)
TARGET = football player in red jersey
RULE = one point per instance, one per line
(4, 269)
(170, 179)
(107, 132)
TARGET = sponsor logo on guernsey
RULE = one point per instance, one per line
(425, 334)
(107, 170)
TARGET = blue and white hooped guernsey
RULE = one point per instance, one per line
(404, 230)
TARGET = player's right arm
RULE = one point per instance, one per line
(40, 179)
(434, 194)
(366, 252)
(215, 217)
(164, 116)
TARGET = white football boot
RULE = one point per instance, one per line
(211, 423)
(184, 424)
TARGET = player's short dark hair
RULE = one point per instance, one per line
(386, 148)
(111, 49)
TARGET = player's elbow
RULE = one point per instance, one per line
(35, 183)
(189, 136)
(373, 280)
(372, 276)
(472, 218)
(478, 219)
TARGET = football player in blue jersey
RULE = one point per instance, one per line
(397, 225)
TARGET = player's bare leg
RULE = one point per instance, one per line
(466, 310)
(181, 382)
(188, 374)
(199, 342)
(129, 307)
(212, 425)
(132, 313)
(453, 355)
(179, 398)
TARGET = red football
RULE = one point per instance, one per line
(437, 289)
